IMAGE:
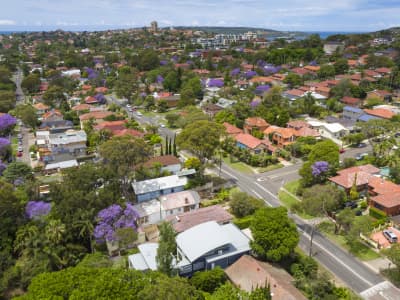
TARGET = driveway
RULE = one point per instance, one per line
(381, 240)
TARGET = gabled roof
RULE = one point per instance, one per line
(248, 140)
(380, 113)
(206, 237)
(41, 106)
(231, 129)
(346, 177)
(164, 160)
(82, 106)
(256, 122)
(97, 115)
(350, 100)
(353, 109)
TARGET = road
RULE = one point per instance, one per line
(349, 270)
(19, 94)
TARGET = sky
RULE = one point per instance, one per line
(290, 15)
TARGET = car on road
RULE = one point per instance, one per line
(19, 154)
(128, 106)
(361, 156)
(19, 135)
(162, 125)
(361, 145)
(20, 149)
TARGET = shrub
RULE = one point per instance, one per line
(243, 222)
(377, 214)
(209, 281)
(363, 205)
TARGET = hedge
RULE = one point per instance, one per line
(243, 223)
(376, 213)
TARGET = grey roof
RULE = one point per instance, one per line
(68, 137)
(366, 118)
(152, 185)
(62, 165)
(146, 259)
(186, 172)
(203, 238)
(353, 109)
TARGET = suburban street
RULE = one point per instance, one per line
(346, 269)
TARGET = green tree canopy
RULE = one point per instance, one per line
(275, 235)
(166, 251)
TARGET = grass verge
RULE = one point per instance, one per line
(288, 201)
(238, 166)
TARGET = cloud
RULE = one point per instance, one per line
(7, 22)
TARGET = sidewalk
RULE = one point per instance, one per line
(378, 264)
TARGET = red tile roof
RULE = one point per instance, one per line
(380, 112)
(111, 125)
(383, 70)
(90, 100)
(295, 92)
(128, 131)
(97, 115)
(41, 106)
(101, 89)
(164, 160)
(346, 177)
(248, 140)
(231, 129)
(80, 107)
(256, 122)
(350, 100)
(247, 273)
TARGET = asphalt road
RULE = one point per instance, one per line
(346, 268)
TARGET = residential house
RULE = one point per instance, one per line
(293, 94)
(280, 136)
(350, 101)
(380, 113)
(253, 144)
(352, 113)
(118, 128)
(211, 109)
(382, 95)
(231, 130)
(202, 247)
(96, 116)
(384, 194)
(186, 220)
(254, 124)
(332, 131)
(170, 98)
(168, 163)
(154, 188)
(53, 115)
(247, 273)
(155, 211)
(41, 109)
(332, 47)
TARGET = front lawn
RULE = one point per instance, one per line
(238, 165)
(292, 186)
(357, 248)
(269, 168)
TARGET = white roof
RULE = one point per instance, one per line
(205, 237)
(68, 137)
(146, 259)
(334, 127)
(62, 165)
(152, 185)
(148, 208)
(315, 123)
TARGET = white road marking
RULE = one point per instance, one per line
(282, 174)
(339, 261)
(265, 190)
(257, 194)
(231, 175)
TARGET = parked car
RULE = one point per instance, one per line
(19, 154)
(128, 106)
(397, 134)
(390, 236)
(361, 156)
(342, 150)
(20, 149)
(162, 125)
(351, 204)
(361, 145)
(19, 135)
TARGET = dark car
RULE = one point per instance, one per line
(351, 204)
(342, 150)
(361, 145)
(397, 134)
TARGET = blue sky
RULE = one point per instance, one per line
(301, 15)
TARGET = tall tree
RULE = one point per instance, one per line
(166, 251)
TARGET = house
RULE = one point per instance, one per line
(186, 220)
(56, 126)
(168, 163)
(254, 124)
(332, 47)
(52, 115)
(231, 130)
(382, 95)
(350, 101)
(211, 109)
(293, 94)
(154, 188)
(118, 128)
(202, 247)
(251, 143)
(97, 116)
(332, 131)
(154, 211)
(247, 273)
(41, 109)
(384, 195)
(352, 113)
(280, 136)
(380, 113)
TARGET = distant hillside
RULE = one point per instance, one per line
(236, 30)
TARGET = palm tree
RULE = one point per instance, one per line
(54, 231)
(85, 226)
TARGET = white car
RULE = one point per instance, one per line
(128, 106)
(20, 149)
(162, 125)
(139, 113)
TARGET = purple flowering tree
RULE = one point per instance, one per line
(250, 74)
(113, 218)
(6, 123)
(159, 79)
(235, 72)
(37, 209)
(213, 82)
(319, 168)
(100, 98)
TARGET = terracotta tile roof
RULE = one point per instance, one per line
(164, 160)
(187, 220)
(256, 122)
(80, 107)
(86, 87)
(371, 73)
(41, 106)
(261, 79)
(346, 177)
(350, 100)
(297, 124)
(90, 100)
(295, 92)
(231, 129)
(52, 113)
(300, 71)
(387, 200)
(380, 112)
(101, 89)
(285, 132)
(111, 125)
(306, 131)
(270, 129)
(382, 186)
(248, 140)
(312, 68)
(97, 115)
(128, 131)
(248, 273)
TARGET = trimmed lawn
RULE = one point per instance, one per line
(238, 166)
(288, 201)
(269, 168)
(292, 186)
(359, 249)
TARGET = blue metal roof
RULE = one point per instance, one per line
(353, 109)
(366, 118)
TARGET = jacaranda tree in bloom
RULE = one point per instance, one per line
(6, 122)
(37, 209)
(319, 167)
(113, 218)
